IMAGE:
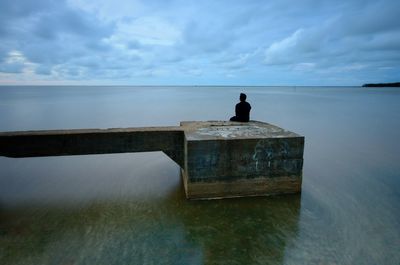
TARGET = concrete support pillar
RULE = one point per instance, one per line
(229, 159)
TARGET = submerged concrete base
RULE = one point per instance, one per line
(231, 159)
(262, 186)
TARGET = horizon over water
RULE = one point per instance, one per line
(131, 209)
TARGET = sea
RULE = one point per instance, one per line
(131, 208)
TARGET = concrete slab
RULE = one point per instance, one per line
(93, 141)
(227, 130)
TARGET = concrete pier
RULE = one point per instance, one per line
(218, 159)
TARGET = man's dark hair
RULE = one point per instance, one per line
(242, 97)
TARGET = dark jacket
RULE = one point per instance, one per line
(242, 111)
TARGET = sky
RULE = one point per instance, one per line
(191, 42)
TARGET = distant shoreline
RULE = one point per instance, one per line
(383, 85)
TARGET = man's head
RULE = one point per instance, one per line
(242, 97)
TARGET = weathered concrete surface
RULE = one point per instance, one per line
(231, 159)
(218, 158)
(93, 141)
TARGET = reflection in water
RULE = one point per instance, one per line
(145, 229)
(243, 231)
(130, 208)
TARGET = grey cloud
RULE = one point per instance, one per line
(134, 45)
(98, 46)
(387, 42)
(345, 39)
(375, 17)
(206, 38)
(22, 8)
(43, 69)
(13, 12)
(51, 35)
(3, 52)
(14, 68)
(52, 52)
(65, 21)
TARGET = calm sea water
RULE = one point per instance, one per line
(131, 209)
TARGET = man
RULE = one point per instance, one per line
(242, 110)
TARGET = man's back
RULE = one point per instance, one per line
(242, 111)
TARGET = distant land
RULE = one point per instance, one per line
(383, 85)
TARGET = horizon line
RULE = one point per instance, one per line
(75, 85)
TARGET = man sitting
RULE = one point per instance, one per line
(242, 110)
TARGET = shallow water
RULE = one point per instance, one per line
(130, 208)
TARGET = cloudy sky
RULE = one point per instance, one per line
(208, 42)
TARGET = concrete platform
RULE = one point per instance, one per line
(218, 159)
(232, 159)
